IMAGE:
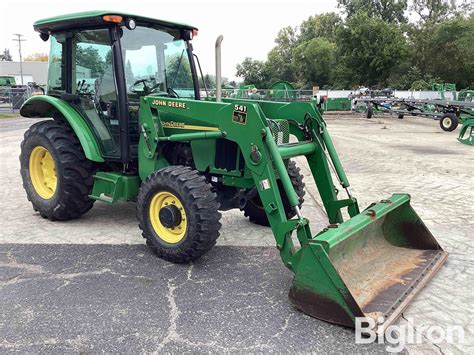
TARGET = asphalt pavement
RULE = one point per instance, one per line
(99, 298)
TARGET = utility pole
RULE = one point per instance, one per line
(19, 40)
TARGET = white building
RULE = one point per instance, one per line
(32, 72)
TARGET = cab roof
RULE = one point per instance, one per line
(94, 18)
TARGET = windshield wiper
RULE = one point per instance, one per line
(202, 76)
(177, 69)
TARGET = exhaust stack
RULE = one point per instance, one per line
(218, 69)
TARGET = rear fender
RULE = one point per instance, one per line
(45, 106)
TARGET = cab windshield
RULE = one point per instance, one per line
(156, 62)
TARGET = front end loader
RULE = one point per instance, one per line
(147, 136)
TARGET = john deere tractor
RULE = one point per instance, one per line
(125, 121)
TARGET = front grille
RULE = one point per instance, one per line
(281, 134)
(280, 131)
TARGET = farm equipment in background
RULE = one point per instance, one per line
(466, 95)
(15, 95)
(336, 104)
(466, 134)
(278, 91)
(449, 113)
(285, 92)
(132, 137)
(444, 88)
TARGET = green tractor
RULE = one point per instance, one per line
(124, 121)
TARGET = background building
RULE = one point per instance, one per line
(32, 71)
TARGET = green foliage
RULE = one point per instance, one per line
(279, 65)
(421, 85)
(178, 72)
(386, 10)
(253, 72)
(89, 57)
(451, 51)
(373, 46)
(433, 11)
(370, 48)
(315, 60)
(411, 78)
(210, 81)
(324, 25)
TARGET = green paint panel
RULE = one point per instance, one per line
(337, 104)
(79, 17)
(45, 106)
(111, 187)
(466, 134)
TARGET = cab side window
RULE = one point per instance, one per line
(94, 82)
(56, 71)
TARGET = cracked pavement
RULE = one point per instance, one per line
(87, 274)
(92, 298)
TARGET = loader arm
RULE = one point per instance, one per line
(370, 265)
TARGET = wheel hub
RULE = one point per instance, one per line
(43, 172)
(170, 216)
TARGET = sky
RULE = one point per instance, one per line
(249, 27)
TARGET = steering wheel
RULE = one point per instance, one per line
(145, 90)
(170, 92)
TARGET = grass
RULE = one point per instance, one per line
(8, 115)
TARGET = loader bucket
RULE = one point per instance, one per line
(369, 266)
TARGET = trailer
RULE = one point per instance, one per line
(449, 113)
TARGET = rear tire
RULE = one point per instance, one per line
(194, 229)
(256, 213)
(68, 198)
(449, 122)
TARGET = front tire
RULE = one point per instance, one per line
(56, 175)
(254, 209)
(178, 214)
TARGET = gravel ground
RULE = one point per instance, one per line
(381, 156)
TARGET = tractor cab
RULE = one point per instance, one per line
(103, 63)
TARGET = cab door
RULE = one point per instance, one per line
(94, 82)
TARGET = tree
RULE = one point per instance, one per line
(314, 60)
(6, 56)
(89, 57)
(210, 81)
(253, 72)
(178, 72)
(433, 11)
(451, 51)
(37, 57)
(374, 45)
(324, 25)
(411, 78)
(279, 63)
(370, 49)
(386, 10)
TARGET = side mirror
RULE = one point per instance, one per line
(44, 36)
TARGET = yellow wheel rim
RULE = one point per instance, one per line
(170, 235)
(43, 172)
